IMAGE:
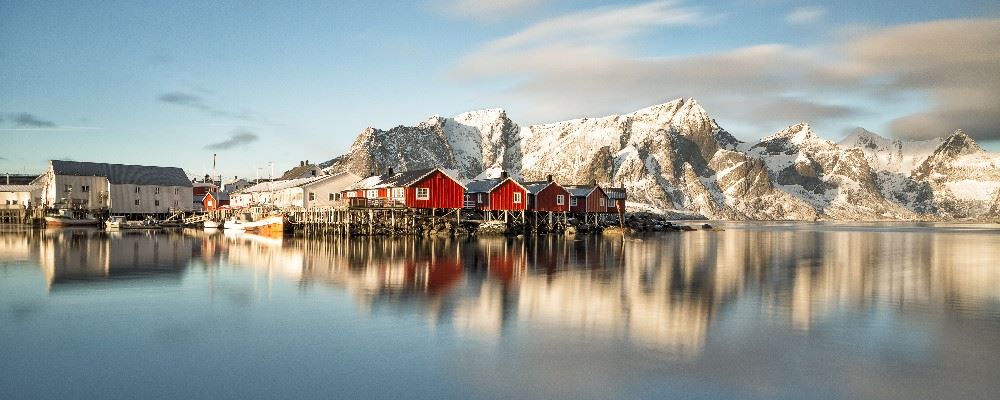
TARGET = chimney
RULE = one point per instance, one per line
(391, 172)
(595, 182)
(302, 163)
(548, 178)
(307, 162)
(503, 174)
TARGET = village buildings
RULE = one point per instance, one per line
(309, 192)
(118, 188)
(585, 199)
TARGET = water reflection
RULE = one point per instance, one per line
(661, 292)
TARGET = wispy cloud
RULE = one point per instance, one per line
(28, 120)
(581, 64)
(237, 139)
(197, 102)
(25, 121)
(806, 15)
(484, 9)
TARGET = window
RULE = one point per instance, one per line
(479, 198)
(572, 201)
(423, 194)
(352, 194)
(136, 201)
(175, 190)
(560, 200)
(157, 203)
(67, 188)
(601, 202)
(312, 196)
(137, 190)
(332, 197)
(209, 203)
(85, 188)
(517, 197)
(372, 194)
(156, 190)
(398, 193)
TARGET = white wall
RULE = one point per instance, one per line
(323, 189)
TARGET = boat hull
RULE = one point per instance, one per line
(55, 222)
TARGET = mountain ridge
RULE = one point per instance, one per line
(675, 157)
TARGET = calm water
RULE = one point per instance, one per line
(758, 311)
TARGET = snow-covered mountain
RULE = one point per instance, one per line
(674, 156)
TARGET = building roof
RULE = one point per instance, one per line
(488, 185)
(18, 188)
(124, 174)
(537, 186)
(17, 179)
(285, 184)
(399, 179)
(615, 193)
(300, 171)
(579, 190)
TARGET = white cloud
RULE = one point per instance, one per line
(806, 15)
(581, 64)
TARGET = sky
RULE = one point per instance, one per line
(262, 83)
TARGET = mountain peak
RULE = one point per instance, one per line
(959, 143)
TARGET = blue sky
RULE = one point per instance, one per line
(171, 83)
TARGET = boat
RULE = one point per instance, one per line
(120, 223)
(209, 224)
(274, 224)
(66, 218)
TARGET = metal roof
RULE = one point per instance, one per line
(579, 190)
(19, 188)
(615, 193)
(124, 174)
(536, 186)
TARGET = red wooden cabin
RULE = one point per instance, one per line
(425, 188)
(588, 199)
(547, 196)
(496, 194)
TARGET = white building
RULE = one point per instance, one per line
(19, 195)
(123, 189)
(312, 192)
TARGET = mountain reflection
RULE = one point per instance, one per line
(662, 292)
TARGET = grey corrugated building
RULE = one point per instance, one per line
(123, 189)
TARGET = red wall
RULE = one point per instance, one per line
(546, 199)
(502, 198)
(206, 199)
(445, 192)
(593, 202)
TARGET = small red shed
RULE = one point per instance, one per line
(496, 194)
(209, 202)
(587, 199)
(547, 196)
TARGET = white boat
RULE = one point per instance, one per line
(268, 225)
(209, 224)
(116, 222)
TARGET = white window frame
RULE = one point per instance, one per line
(156, 190)
(84, 188)
(423, 193)
(398, 193)
(137, 188)
(517, 198)
(572, 201)
(479, 198)
(560, 199)
(600, 202)
(312, 196)
(137, 202)
(371, 194)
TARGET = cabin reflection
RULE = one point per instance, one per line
(78, 256)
